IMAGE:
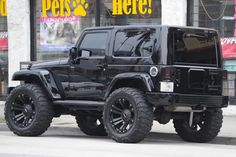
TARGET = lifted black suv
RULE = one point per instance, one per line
(117, 80)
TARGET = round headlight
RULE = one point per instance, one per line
(153, 71)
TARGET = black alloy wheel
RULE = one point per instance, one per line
(28, 110)
(90, 125)
(127, 116)
(23, 110)
(122, 115)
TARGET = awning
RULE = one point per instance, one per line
(228, 47)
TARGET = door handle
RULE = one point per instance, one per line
(102, 66)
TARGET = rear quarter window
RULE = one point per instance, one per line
(133, 43)
(196, 47)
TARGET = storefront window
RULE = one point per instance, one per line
(217, 14)
(108, 18)
(220, 15)
(3, 50)
(59, 25)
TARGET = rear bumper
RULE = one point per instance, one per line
(175, 99)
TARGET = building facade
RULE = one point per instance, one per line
(32, 34)
(38, 30)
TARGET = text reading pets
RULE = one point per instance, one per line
(64, 8)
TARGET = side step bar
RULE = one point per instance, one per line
(80, 103)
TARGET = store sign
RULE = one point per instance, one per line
(67, 8)
(3, 41)
(58, 33)
(64, 8)
(229, 47)
(131, 7)
(3, 8)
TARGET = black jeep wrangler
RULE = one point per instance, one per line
(117, 80)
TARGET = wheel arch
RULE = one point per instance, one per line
(140, 81)
(41, 77)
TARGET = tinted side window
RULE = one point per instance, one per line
(96, 42)
(134, 43)
(195, 47)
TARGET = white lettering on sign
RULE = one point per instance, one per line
(3, 35)
(228, 41)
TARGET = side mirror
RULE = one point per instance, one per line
(73, 53)
(84, 53)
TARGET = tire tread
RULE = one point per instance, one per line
(44, 113)
(145, 117)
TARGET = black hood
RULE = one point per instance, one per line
(37, 65)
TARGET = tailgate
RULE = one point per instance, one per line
(198, 80)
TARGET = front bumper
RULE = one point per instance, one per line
(190, 100)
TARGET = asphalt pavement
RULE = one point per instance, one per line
(64, 139)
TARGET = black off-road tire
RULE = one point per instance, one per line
(89, 125)
(43, 110)
(142, 111)
(211, 126)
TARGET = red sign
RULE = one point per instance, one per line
(3, 41)
(229, 47)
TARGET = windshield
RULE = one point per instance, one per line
(195, 47)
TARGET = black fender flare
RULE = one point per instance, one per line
(44, 77)
(144, 77)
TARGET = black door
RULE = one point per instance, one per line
(88, 75)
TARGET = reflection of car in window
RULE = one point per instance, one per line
(195, 47)
(133, 43)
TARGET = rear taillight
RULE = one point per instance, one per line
(167, 79)
(168, 73)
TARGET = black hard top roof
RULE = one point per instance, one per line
(143, 27)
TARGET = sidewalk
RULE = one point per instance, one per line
(229, 111)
